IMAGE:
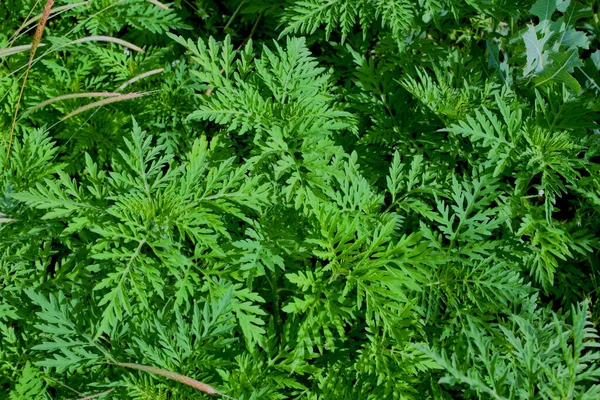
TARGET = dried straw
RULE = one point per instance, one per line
(138, 77)
(54, 12)
(158, 4)
(17, 49)
(73, 96)
(172, 375)
(5, 220)
(94, 396)
(100, 103)
(36, 41)
(111, 39)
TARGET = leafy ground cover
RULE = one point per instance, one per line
(311, 199)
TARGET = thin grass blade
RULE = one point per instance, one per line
(36, 42)
(111, 39)
(72, 96)
(95, 396)
(158, 4)
(17, 49)
(54, 11)
(4, 220)
(172, 375)
(100, 103)
(138, 77)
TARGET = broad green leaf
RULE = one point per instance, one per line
(537, 54)
(543, 9)
(561, 64)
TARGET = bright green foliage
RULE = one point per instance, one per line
(527, 356)
(314, 199)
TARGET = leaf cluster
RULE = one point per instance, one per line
(301, 199)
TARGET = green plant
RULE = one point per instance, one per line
(301, 199)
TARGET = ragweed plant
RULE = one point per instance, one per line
(316, 199)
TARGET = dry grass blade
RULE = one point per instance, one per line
(111, 39)
(172, 375)
(158, 4)
(138, 77)
(72, 96)
(17, 49)
(100, 103)
(95, 396)
(58, 47)
(36, 41)
(54, 11)
(14, 36)
(5, 220)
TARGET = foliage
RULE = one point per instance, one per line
(356, 199)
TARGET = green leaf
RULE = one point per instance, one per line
(537, 55)
(561, 64)
(543, 9)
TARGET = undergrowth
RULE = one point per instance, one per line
(312, 199)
